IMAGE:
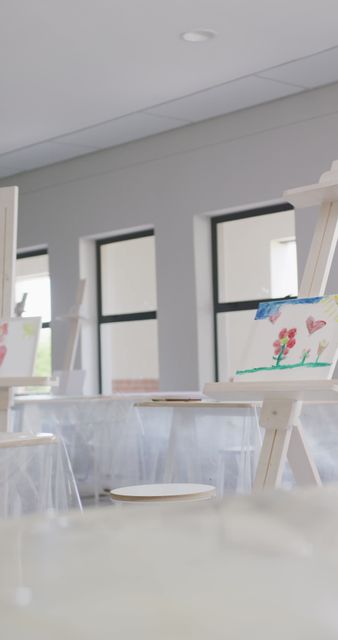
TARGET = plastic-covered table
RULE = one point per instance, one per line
(111, 443)
(102, 435)
(214, 443)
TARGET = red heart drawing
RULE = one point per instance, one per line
(274, 317)
(314, 325)
(3, 351)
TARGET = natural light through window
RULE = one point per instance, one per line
(283, 268)
(32, 278)
(127, 313)
(254, 259)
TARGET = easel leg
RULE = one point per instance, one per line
(5, 408)
(272, 458)
(169, 465)
(303, 466)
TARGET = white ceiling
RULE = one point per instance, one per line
(82, 75)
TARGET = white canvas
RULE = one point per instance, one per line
(292, 340)
(18, 344)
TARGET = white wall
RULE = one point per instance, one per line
(246, 157)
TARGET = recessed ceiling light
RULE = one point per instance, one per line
(200, 35)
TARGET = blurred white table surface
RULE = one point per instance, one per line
(258, 567)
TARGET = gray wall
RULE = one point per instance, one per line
(169, 181)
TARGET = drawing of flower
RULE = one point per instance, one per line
(3, 351)
(305, 355)
(286, 341)
(321, 347)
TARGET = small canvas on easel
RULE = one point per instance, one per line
(293, 339)
(18, 344)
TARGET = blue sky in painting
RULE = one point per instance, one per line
(267, 309)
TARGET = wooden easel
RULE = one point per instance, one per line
(70, 379)
(282, 401)
(8, 235)
(74, 318)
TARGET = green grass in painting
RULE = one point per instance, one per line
(311, 365)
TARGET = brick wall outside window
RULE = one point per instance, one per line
(130, 386)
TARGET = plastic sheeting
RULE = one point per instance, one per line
(35, 477)
(111, 443)
(257, 568)
(320, 422)
(211, 445)
(102, 436)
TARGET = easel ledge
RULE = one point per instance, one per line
(321, 390)
(28, 381)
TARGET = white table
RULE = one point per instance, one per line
(110, 445)
(103, 434)
(258, 568)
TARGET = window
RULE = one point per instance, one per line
(32, 278)
(254, 259)
(128, 350)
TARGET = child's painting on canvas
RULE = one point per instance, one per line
(293, 339)
(18, 345)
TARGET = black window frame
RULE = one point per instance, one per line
(31, 254)
(121, 317)
(242, 305)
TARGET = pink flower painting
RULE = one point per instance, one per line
(286, 341)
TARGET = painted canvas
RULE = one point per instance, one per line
(18, 344)
(293, 339)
